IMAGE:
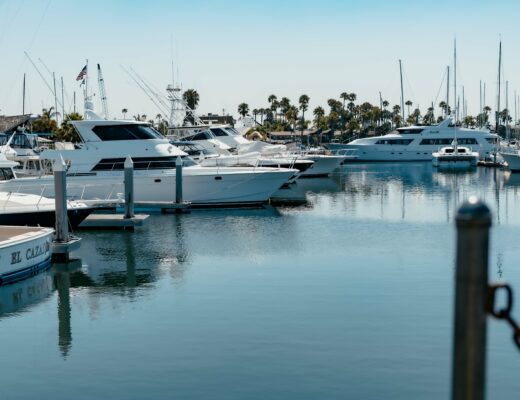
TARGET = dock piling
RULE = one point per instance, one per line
(178, 180)
(129, 188)
(63, 244)
(60, 201)
(473, 223)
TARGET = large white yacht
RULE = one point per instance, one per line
(95, 169)
(417, 143)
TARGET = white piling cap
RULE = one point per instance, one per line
(128, 162)
(59, 165)
(178, 161)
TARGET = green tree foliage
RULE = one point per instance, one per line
(243, 109)
(45, 122)
(66, 132)
(191, 97)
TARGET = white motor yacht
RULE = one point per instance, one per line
(95, 169)
(417, 143)
(455, 157)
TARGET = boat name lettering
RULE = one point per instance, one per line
(37, 250)
(31, 252)
(15, 257)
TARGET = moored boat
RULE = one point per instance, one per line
(24, 251)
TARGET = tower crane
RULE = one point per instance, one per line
(102, 92)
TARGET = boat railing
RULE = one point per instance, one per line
(75, 191)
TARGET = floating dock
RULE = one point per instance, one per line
(113, 221)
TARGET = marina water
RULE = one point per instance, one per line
(349, 296)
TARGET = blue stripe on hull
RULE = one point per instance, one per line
(20, 274)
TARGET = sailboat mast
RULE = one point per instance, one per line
(23, 96)
(447, 91)
(55, 98)
(480, 105)
(402, 92)
(497, 118)
(455, 79)
(62, 99)
(507, 111)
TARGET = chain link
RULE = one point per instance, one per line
(505, 312)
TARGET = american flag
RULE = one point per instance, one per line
(82, 73)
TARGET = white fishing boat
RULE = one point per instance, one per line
(24, 251)
(455, 157)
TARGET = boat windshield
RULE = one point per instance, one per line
(126, 132)
(6, 174)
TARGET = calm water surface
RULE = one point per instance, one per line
(347, 297)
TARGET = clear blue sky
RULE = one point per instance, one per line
(238, 51)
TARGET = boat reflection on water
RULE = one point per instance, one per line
(19, 297)
(297, 192)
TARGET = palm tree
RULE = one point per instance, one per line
(285, 103)
(66, 131)
(409, 104)
(319, 113)
(255, 113)
(344, 96)
(45, 122)
(124, 111)
(274, 108)
(191, 97)
(385, 104)
(444, 107)
(272, 99)
(304, 106)
(243, 109)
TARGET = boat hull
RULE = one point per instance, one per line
(22, 256)
(216, 186)
(512, 160)
(323, 166)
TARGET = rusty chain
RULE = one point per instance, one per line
(505, 312)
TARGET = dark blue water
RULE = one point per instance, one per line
(347, 297)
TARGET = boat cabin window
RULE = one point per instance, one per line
(395, 141)
(233, 131)
(407, 131)
(6, 174)
(449, 151)
(20, 141)
(141, 163)
(126, 132)
(461, 150)
(3, 139)
(200, 136)
(192, 149)
(447, 141)
(492, 140)
(219, 132)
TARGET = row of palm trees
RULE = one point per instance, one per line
(350, 117)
